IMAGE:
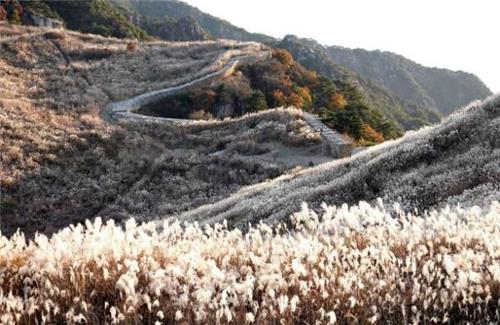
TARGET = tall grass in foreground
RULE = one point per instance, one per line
(351, 265)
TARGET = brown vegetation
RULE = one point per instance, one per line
(61, 163)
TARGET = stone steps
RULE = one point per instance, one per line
(336, 145)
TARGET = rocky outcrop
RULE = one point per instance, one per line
(184, 29)
(42, 21)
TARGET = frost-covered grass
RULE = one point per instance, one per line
(363, 264)
(54, 145)
(455, 162)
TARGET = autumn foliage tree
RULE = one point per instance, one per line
(278, 98)
(370, 136)
(3, 14)
(338, 100)
(284, 57)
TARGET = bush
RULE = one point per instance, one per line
(284, 57)
(132, 46)
(55, 35)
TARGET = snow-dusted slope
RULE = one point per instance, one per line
(456, 162)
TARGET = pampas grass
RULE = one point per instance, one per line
(360, 264)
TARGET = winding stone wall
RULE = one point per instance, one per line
(336, 145)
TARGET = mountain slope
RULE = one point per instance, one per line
(279, 81)
(183, 29)
(441, 89)
(60, 163)
(314, 56)
(456, 162)
(161, 10)
(94, 16)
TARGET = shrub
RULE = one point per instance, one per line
(132, 46)
(338, 101)
(55, 35)
(201, 115)
(284, 57)
(370, 136)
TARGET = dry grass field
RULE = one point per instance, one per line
(61, 163)
(406, 232)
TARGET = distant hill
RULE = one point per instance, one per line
(171, 9)
(314, 56)
(440, 89)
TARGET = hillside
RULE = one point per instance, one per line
(456, 162)
(54, 144)
(176, 10)
(280, 81)
(434, 88)
(245, 220)
(94, 16)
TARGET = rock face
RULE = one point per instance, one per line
(224, 110)
(42, 21)
(441, 89)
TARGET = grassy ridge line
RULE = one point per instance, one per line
(459, 159)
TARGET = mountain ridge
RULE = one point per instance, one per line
(411, 80)
(314, 56)
(407, 92)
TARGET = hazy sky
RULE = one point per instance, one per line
(453, 34)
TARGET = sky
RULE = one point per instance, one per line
(452, 34)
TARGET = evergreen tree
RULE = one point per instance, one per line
(256, 102)
(14, 18)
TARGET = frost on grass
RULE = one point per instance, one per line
(359, 264)
(455, 162)
(60, 163)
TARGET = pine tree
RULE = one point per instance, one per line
(14, 18)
